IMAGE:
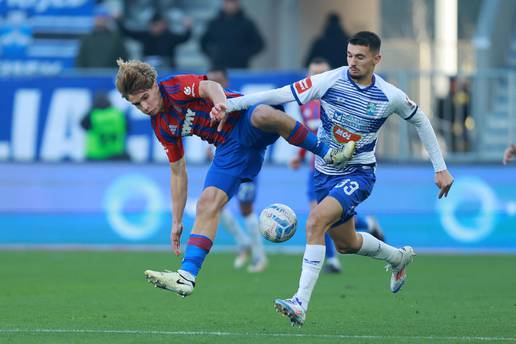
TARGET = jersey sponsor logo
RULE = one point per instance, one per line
(303, 85)
(342, 135)
(187, 124)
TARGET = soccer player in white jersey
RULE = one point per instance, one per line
(355, 102)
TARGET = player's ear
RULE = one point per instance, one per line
(377, 58)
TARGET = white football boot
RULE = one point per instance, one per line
(398, 272)
(170, 280)
(292, 309)
(340, 157)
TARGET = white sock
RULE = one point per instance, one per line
(251, 225)
(228, 221)
(377, 249)
(312, 262)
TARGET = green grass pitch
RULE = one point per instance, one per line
(102, 297)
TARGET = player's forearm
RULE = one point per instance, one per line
(273, 97)
(179, 191)
(427, 136)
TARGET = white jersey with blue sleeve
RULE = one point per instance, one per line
(350, 112)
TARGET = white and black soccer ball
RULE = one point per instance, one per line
(278, 222)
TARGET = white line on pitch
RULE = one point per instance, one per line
(236, 334)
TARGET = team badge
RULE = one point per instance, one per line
(371, 109)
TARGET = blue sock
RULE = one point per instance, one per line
(361, 223)
(330, 246)
(196, 250)
(302, 137)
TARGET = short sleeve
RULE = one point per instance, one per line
(174, 150)
(183, 87)
(172, 144)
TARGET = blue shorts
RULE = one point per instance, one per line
(349, 189)
(310, 189)
(240, 158)
(247, 191)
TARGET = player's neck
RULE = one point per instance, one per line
(364, 81)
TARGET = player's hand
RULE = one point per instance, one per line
(175, 237)
(295, 163)
(509, 152)
(218, 113)
(444, 181)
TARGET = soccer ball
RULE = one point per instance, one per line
(278, 222)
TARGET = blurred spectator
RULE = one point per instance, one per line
(231, 38)
(219, 75)
(509, 153)
(454, 113)
(331, 45)
(159, 43)
(106, 130)
(101, 47)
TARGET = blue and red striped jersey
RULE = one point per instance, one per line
(186, 113)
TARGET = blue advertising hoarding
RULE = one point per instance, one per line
(129, 205)
(41, 116)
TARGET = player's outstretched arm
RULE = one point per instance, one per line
(276, 96)
(443, 178)
(179, 190)
(215, 93)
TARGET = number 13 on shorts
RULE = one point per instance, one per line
(348, 186)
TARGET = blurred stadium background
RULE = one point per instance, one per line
(46, 185)
(456, 58)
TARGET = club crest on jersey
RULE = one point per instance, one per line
(342, 135)
(371, 109)
(189, 90)
(303, 85)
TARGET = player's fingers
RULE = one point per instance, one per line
(221, 124)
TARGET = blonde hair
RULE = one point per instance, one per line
(134, 76)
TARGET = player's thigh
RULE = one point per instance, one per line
(351, 190)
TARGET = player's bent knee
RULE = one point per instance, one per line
(347, 245)
(314, 226)
(263, 116)
(207, 205)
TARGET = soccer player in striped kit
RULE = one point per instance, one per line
(181, 106)
(355, 102)
(310, 113)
